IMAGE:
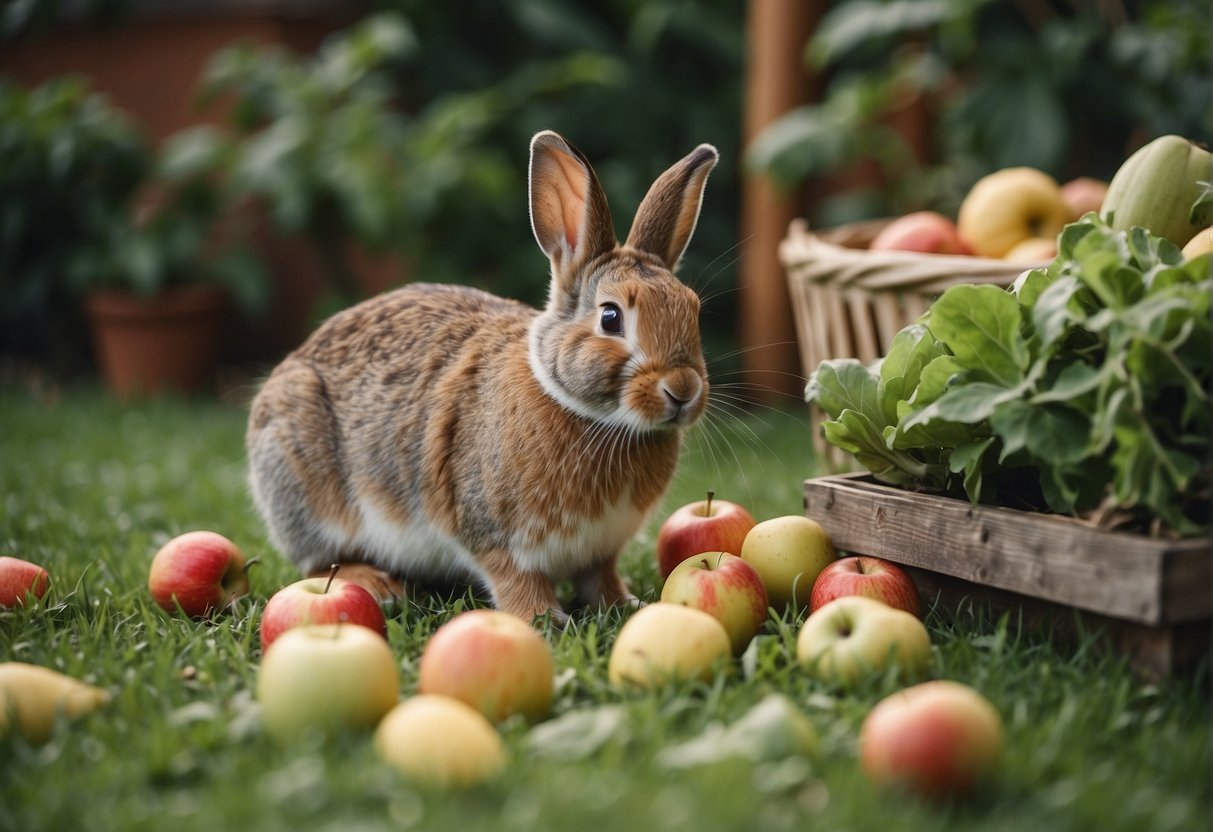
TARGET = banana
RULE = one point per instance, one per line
(1156, 187)
(31, 698)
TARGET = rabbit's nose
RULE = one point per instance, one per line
(682, 392)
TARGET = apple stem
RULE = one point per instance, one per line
(332, 574)
(251, 563)
(707, 510)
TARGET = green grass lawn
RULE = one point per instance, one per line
(90, 489)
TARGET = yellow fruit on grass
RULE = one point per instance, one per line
(32, 697)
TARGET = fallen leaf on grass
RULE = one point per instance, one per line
(773, 729)
(579, 734)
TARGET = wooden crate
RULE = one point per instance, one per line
(848, 302)
(1152, 598)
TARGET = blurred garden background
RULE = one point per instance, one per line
(259, 164)
(303, 153)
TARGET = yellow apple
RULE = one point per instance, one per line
(33, 697)
(1009, 206)
(789, 553)
(666, 642)
(326, 678)
(1033, 250)
(853, 636)
(1202, 243)
(435, 740)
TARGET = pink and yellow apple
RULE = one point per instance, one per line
(789, 553)
(1084, 194)
(853, 636)
(440, 742)
(198, 572)
(493, 661)
(870, 577)
(320, 601)
(21, 580)
(936, 738)
(709, 525)
(924, 231)
(662, 643)
(726, 588)
(326, 679)
(1008, 206)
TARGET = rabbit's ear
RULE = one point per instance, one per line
(668, 213)
(569, 212)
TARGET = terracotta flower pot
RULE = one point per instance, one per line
(166, 342)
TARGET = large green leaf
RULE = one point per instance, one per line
(911, 350)
(981, 327)
(844, 384)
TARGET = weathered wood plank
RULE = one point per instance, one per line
(1052, 558)
(1155, 651)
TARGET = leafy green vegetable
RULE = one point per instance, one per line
(1083, 388)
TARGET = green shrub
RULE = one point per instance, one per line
(70, 165)
(1067, 88)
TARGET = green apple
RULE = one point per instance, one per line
(726, 588)
(664, 642)
(493, 661)
(438, 741)
(327, 678)
(789, 553)
(937, 738)
(853, 636)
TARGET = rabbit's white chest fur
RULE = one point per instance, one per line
(421, 551)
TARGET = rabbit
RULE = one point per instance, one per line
(439, 433)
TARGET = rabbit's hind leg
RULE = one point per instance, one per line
(296, 470)
(384, 586)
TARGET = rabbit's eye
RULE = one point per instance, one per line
(611, 320)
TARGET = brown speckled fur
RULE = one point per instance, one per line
(411, 438)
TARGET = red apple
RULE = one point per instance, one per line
(709, 525)
(20, 579)
(491, 660)
(923, 231)
(198, 572)
(936, 738)
(1084, 194)
(328, 600)
(726, 588)
(868, 576)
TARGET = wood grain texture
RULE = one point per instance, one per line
(1153, 651)
(1052, 558)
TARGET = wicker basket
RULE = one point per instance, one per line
(849, 302)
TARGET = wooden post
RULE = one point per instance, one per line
(776, 81)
